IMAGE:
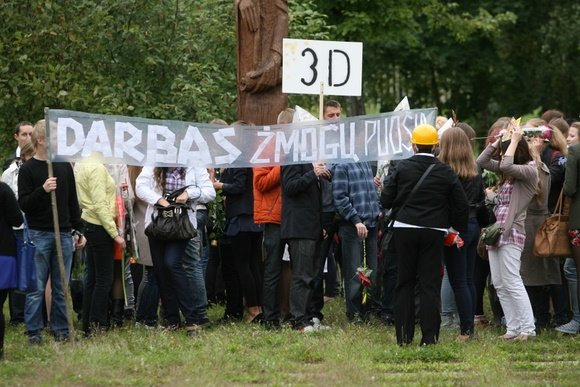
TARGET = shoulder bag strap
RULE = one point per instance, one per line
(177, 192)
(25, 230)
(558, 209)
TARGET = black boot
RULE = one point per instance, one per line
(117, 313)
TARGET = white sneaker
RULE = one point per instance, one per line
(306, 329)
(571, 328)
(318, 326)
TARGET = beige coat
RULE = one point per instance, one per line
(525, 183)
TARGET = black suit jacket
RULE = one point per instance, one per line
(9, 160)
(439, 202)
(239, 192)
(301, 203)
(10, 216)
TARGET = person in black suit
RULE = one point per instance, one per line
(10, 216)
(22, 134)
(302, 228)
(419, 229)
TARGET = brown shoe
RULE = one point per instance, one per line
(481, 321)
(508, 336)
(193, 330)
(522, 337)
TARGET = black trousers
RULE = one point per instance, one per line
(99, 278)
(419, 253)
(3, 296)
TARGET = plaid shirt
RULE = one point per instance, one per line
(355, 194)
(173, 180)
(501, 212)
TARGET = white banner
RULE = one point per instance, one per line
(139, 141)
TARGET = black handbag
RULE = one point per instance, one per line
(172, 222)
(388, 235)
(484, 212)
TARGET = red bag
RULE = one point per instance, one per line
(120, 221)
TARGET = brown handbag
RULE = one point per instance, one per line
(551, 240)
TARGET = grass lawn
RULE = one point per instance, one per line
(242, 354)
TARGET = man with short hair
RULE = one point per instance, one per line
(325, 284)
(34, 190)
(357, 203)
(301, 227)
(22, 133)
(331, 110)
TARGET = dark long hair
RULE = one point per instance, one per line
(523, 155)
(159, 174)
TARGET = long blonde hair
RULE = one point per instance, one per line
(456, 151)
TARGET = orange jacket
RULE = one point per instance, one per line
(267, 195)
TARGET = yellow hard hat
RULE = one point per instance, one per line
(424, 134)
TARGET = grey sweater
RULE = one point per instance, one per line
(525, 180)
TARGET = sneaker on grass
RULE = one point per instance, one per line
(318, 326)
(570, 328)
(306, 329)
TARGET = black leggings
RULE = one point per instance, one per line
(246, 247)
(480, 281)
(3, 296)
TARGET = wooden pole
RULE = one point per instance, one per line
(321, 102)
(56, 224)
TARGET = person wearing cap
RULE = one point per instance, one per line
(420, 227)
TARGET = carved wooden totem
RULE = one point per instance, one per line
(261, 26)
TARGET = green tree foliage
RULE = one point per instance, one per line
(167, 59)
(175, 59)
(172, 59)
(483, 59)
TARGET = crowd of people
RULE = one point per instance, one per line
(397, 239)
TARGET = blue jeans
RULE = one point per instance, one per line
(448, 307)
(147, 299)
(47, 264)
(352, 258)
(174, 285)
(201, 216)
(460, 265)
(272, 251)
(193, 267)
(570, 271)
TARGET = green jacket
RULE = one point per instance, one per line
(97, 195)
